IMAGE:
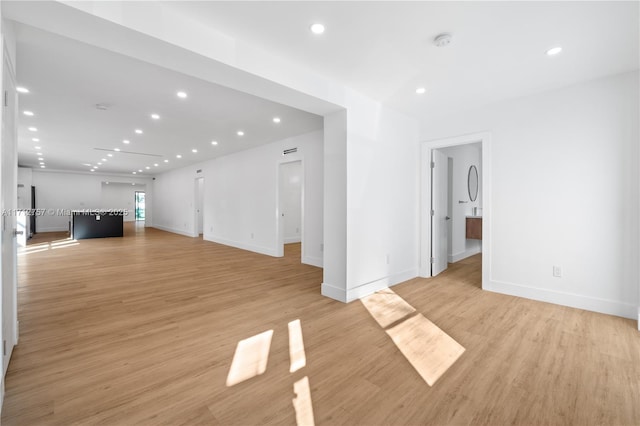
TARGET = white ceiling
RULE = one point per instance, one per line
(382, 49)
(386, 50)
(67, 79)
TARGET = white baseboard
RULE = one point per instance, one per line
(289, 240)
(242, 245)
(333, 292)
(1, 393)
(173, 230)
(313, 261)
(349, 295)
(464, 254)
(604, 306)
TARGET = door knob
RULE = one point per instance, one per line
(447, 218)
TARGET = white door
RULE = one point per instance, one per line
(439, 225)
(200, 203)
(8, 201)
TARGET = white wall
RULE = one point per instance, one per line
(240, 197)
(463, 157)
(116, 195)
(565, 189)
(72, 191)
(291, 201)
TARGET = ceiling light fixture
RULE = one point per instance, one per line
(103, 159)
(41, 163)
(554, 51)
(155, 165)
(178, 156)
(140, 171)
(147, 167)
(442, 40)
(28, 113)
(33, 129)
(116, 149)
(155, 116)
(133, 173)
(240, 133)
(37, 147)
(138, 131)
(99, 164)
(276, 119)
(194, 150)
(42, 167)
(421, 90)
(214, 143)
(182, 95)
(166, 161)
(109, 155)
(22, 89)
(40, 159)
(35, 139)
(126, 141)
(317, 28)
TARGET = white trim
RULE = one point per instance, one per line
(174, 230)
(313, 261)
(424, 269)
(333, 292)
(269, 251)
(290, 240)
(605, 306)
(379, 284)
(464, 254)
(292, 158)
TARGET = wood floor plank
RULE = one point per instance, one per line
(143, 329)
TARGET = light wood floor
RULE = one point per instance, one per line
(142, 330)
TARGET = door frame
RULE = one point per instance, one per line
(279, 224)
(426, 148)
(196, 201)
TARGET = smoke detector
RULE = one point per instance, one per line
(442, 40)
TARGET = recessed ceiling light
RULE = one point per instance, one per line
(103, 159)
(126, 141)
(22, 89)
(178, 156)
(147, 167)
(240, 133)
(40, 159)
(166, 161)
(276, 119)
(42, 167)
(140, 171)
(37, 147)
(138, 131)
(133, 173)
(28, 113)
(35, 139)
(155, 165)
(33, 129)
(155, 116)
(420, 90)
(107, 183)
(109, 155)
(133, 184)
(194, 150)
(116, 149)
(554, 51)
(182, 95)
(317, 28)
(99, 164)
(214, 143)
(41, 163)
(96, 167)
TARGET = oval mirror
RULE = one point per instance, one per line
(472, 183)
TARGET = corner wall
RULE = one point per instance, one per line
(565, 185)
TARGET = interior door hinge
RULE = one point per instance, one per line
(432, 260)
(433, 212)
(433, 165)
(6, 98)
(4, 348)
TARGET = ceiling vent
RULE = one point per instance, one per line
(289, 151)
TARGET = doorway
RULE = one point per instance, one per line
(447, 191)
(200, 205)
(290, 201)
(140, 205)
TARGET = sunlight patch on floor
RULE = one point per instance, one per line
(296, 347)
(40, 247)
(250, 358)
(302, 402)
(428, 349)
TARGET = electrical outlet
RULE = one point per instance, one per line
(557, 271)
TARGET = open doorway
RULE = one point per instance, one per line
(140, 205)
(456, 200)
(290, 190)
(199, 205)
